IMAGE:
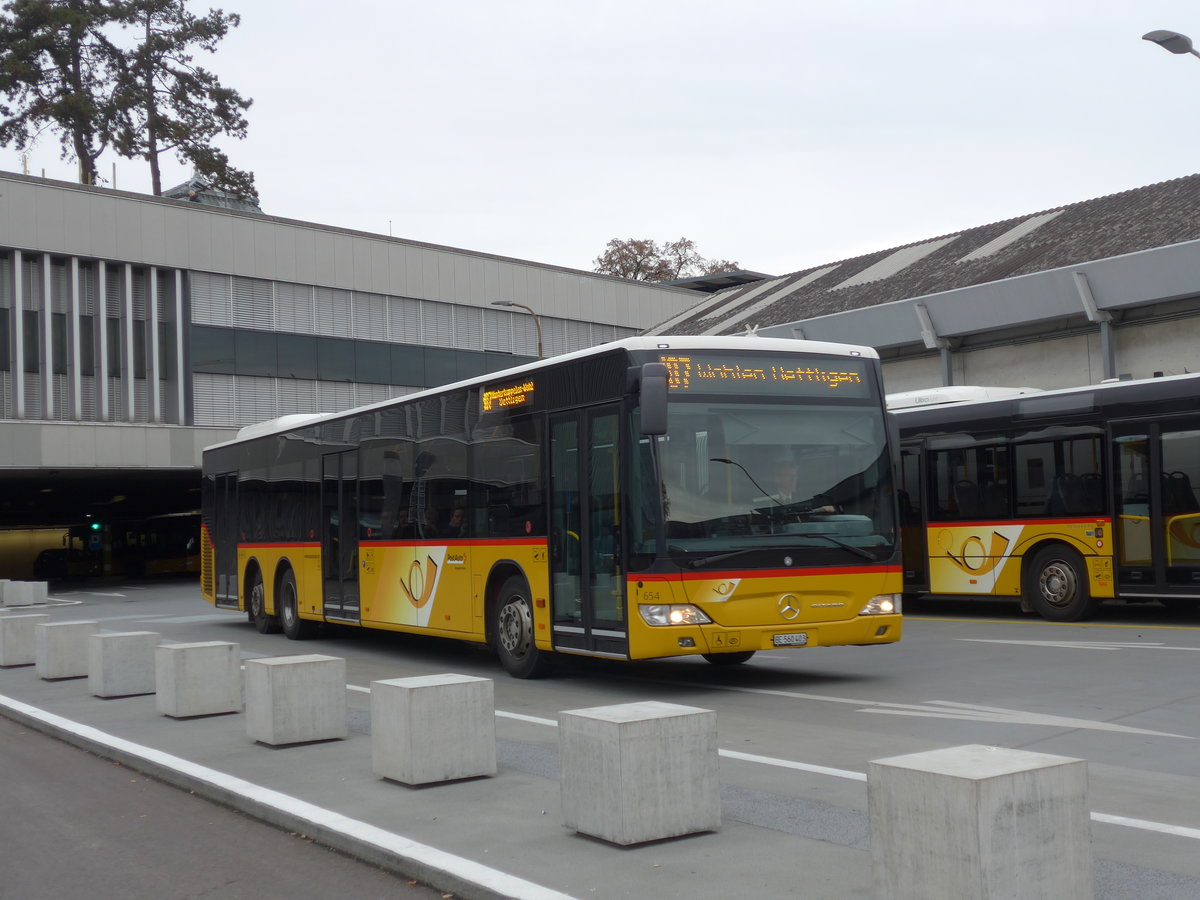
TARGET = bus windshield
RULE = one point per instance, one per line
(745, 475)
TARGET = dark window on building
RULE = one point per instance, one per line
(166, 351)
(408, 365)
(58, 342)
(372, 363)
(335, 360)
(5, 359)
(297, 356)
(254, 353)
(212, 350)
(33, 333)
(441, 366)
(87, 346)
(138, 350)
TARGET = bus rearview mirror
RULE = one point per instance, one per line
(654, 398)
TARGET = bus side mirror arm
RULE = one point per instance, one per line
(653, 387)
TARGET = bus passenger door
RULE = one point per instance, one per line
(339, 534)
(1157, 508)
(587, 578)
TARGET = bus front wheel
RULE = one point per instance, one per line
(294, 627)
(1057, 587)
(513, 629)
(256, 608)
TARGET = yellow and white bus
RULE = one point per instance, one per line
(615, 502)
(1061, 498)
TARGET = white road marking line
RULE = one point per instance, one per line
(1087, 645)
(500, 882)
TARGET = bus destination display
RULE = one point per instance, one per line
(509, 397)
(792, 375)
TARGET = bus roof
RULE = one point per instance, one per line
(940, 396)
(656, 342)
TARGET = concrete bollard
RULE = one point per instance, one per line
(62, 648)
(433, 728)
(121, 664)
(25, 593)
(18, 643)
(294, 699)
(980, 823)
(201, 679)
(639, 772)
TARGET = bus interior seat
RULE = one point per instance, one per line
(1178, 496)
(966, 497)
(1067, 496)
(994, 497)
(1093, 491)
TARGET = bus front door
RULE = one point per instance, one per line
(587, 578)
(1157, 508)
(339, 535)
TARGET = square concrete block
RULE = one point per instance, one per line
(121, 664)
(639, 771)
(62, 648)
(18, 644)
(200, 679)
(980, 823)
(433, 728)
(293, 699)
(24, 593)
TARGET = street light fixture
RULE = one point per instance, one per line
(1171, 40)
(537, 325)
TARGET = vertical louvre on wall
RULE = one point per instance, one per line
(32, 278)
(256, 398)
(112, 291)
(438, 323)
(59, 292)
(211, 299)
(6, 285)
(33, 398)
(141, 401)
(214, 397)
(87, 388)
(404, 320)
(333, 312)
(334, 396)
(370, 393)
(294, 308)
(116, 401)
(370, 316)
(524, 335)
(297, 395)
(6, 404)
(62, 408)
(468, 327)
(497, 331)
(253, 303)
(139, 294)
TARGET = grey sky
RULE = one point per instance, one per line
(780, 134)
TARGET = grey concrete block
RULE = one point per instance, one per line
(980, 823)
(62, 648)
(433, 728)
(24, 593)
(293, 699)
(200, 679)
(18, 643)
(121, 664)
(639, 771)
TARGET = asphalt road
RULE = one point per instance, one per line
(796, 728)
(78, 827)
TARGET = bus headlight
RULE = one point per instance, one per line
(881, 605)
(679, 614)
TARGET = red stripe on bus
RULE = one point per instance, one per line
(973, 523)
(770, 573)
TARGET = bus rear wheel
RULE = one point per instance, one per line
(513, 630)
(1056, 585)
(294, 627)
(729, 659)
(256, 607)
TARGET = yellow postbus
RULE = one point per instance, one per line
(1062, 498)
(633, 500)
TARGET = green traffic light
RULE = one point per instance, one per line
(95, 526)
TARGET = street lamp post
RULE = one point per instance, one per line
(537, 325)
(1171, 40)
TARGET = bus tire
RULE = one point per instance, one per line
(729, 659)
(256, 607)
(294, 627)
(513, 628)
(1056, 585)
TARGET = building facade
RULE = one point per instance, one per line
(136, 330)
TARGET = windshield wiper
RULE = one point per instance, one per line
(865, 554)
(719, 557)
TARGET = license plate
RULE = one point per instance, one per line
(796, 639)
